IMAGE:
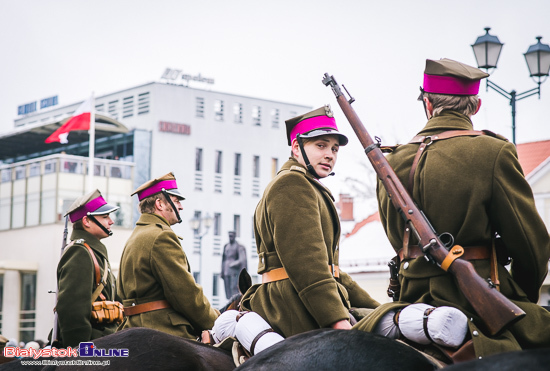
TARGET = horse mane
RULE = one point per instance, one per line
(233, 303)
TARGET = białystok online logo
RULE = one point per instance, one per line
(87, 349)
(90, 350)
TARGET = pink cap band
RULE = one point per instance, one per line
(313, 123)
(90, 207)
(156, 188)
(450, 85)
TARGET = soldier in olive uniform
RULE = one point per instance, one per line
(76, 272)
(155, 280)
(471, 185)
(297, 234)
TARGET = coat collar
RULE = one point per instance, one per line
(293, 162)
(447, 120)
(90, 239)
(147, 218)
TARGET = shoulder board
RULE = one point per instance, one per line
(69, 244)
(494, 135)
(298, 168)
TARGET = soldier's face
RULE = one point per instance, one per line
(104, 220)
(322, 153)
(166, 210)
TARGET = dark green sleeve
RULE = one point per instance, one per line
(75, 275)
(516, 218)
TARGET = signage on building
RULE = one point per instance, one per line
(48, 102)
(170, 74)
(31, 107)
(172, 127)
(26, 108)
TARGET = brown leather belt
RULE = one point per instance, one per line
(146, 307)
(279, 274)
(470, 252)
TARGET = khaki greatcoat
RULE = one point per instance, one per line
(296, 227)
(469, 186)
(76, 283)
(154, 267)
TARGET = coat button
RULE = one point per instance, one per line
(475, 333)
(406, 265)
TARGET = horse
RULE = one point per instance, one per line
(148, 349)
(328, 349)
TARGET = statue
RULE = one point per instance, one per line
(233, 261)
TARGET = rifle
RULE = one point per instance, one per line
(495, 310)
(55, 317)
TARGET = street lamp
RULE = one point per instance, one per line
(487, 50)
(195, 225)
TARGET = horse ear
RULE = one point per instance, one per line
(245, 281)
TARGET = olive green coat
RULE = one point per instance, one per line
(296, 227)
(154, 267)
(468, 186)
(76, 283)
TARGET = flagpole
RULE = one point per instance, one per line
(91, 151)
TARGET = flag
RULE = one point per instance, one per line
(79, 121)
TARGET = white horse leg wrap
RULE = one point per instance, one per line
(254, 333)
(224, 326)
(387, 326)
(422, 323)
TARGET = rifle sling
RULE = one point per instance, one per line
(99, 284)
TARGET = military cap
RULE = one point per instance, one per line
(164, 183)
(90, 204)
(446, 76)
(313, 124)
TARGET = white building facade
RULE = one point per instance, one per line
(222, 148)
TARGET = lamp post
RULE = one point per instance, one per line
(487, 50)
(195, 225)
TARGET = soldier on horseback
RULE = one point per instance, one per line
(83, 265)
(471, 185)
(155, 280)
(297, 234)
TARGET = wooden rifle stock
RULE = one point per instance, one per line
(492, 307)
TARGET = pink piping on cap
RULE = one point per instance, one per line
(156, 188)
(450, 85)
(312, 123)
(90, 207)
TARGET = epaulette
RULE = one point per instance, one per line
(495, 135)
(298, 168)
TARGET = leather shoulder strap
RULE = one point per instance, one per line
(99, 282)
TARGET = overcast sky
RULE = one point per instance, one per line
(275, 50)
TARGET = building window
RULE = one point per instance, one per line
(256, 115)
(218, 110)
(237, 164)
(197, 276)
(199, 110)
(218, 162)
(128, 107)
(100, 107)
(274, 167)
(237, 225)
(275, 118)
(143, 103)
(256, 167)
(215, 284)
(238, 113)
(198, 159)
(217, 224)
(113, 109)
(27, 315)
